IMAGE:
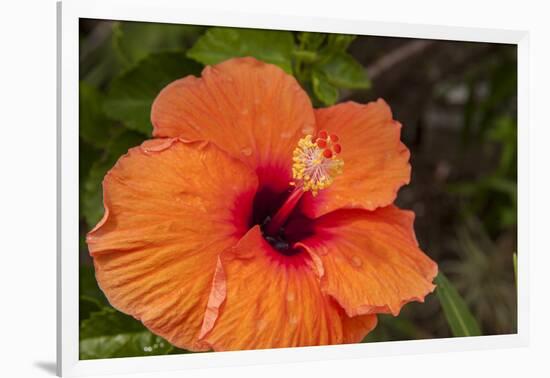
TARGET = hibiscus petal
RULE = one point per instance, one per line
(171, 208)
(272, 301)
(253, 110)
(376, 163)
(371, 260)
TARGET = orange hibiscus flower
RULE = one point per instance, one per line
(253, 220)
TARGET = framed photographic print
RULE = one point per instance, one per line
(240, 189)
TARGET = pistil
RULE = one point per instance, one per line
(280, 217)
(315, 165)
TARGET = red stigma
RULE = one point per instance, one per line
(327, 153)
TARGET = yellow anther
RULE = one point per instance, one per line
(316, 163)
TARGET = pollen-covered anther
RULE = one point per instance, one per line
(316, 162)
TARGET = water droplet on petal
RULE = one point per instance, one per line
(262, 324)
(247, 151)
(290, 296)
(286, 134)
(308, 129)
(356, 261)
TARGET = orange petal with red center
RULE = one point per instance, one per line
(274, 301)
(253, 110)
(171, 208)
(371, 260)
(376, 163)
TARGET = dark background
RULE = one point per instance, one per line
(458, 105)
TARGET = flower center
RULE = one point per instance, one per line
(316, 163)
(315, 166)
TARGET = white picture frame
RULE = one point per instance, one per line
(163, 11)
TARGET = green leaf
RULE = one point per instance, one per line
(460, 319)
(98, 61)
(324, 91)
(88, 288)
(391, 328)
(176, 350)
(121, 143)
(87, 306)
(343, 71)
(92, 201)
(131, 95)
(124, 345)
(339, 42)
(311, 40)
(219, 44)
(92, 196)
(134, 41)
(305, 56)
(87, 156)
(109, 322)
(109, 333)
(95, 127)
(515, 261)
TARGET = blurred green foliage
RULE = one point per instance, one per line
(490, 121)
(109, 333)
(131, 94)
(319, 61)
(485, 275)
(495, 194)
(459, 317)
(219, 44)
(515, 261)
(323, 66)
(488, 201)
(123, 66)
